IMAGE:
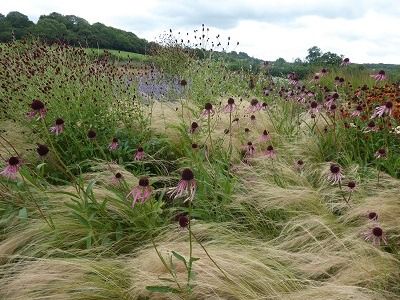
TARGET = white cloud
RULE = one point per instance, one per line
(364, 30)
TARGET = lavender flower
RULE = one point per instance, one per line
(376, 236)
(141, 192)
(186, 186)
(58, 127)
(335, 175)
(12, 168)
(113, 145)
(38, 108)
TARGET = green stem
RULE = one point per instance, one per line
(190, 245)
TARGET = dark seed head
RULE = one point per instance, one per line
(115, 140)
(231, 101)
(208, 106)
(91, 134)
(382, 151)
(333, 107)
(246, 130)
(254, 102)
(42, 150)
(335, 96)
(341, 79)
(351, 184)
(346, 60)
(140, 149)
(381, 72)
(389, 104)
(377, 231)
(314, 104)
(249, 144)
(252, 117)
(183, 82)
(183, 221)
(371, 124)
(37, 105)
(13, 161)
(335, 169)
(59, 121)
(264, 104)
(270, 148)
(265, 132)
(373, 215)
(359, 108)
(143, 181)
(187, 174)
(118, 175)
(194, 125)
(195, 146)
(300, 162)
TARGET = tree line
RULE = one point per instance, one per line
(69, 29)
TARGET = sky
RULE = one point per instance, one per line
(363, 30)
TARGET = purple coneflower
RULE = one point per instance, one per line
(264, 106)
(12, 168)
(42, 150)
(254, 106)
(335, 175)
(371, 126)
(208, 110)
(58, 127)
(194, 127)
(114, 144)
(380, 76)
(140, 192)
(230, 106)
(117, 178)
(357, 112)
(249, 149)
(381, 153)
(270, 152)
(38, 108)
(376, 235)
(314, 108)
(186, 186)
(139, 154)
(345, 62)
(265, 137)
(385, 109)
(351, 186)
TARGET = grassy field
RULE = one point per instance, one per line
(186, 181)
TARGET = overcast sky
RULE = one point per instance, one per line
(363, 30)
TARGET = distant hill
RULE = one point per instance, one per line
(70, 29)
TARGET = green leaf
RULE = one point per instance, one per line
(180, 257)
(23, 213)
(161, 289)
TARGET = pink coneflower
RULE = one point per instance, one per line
(376, 235)
(265, 137)
(139, 154)
(254, 106)
(314, 108)
(357, 112)
(371, 127)
(381, 153)
(249, 149)
(345, 62)
(194, 127)
(382, 110)
(372, 216)
(186, 186)
(42, 150)
(38, 108)
(12, 168)
(270, 152)
(58, 127)
(140, 192)
(208, 110)
(230, 106)
(335, 175)
(114, 145)
(380, 76)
